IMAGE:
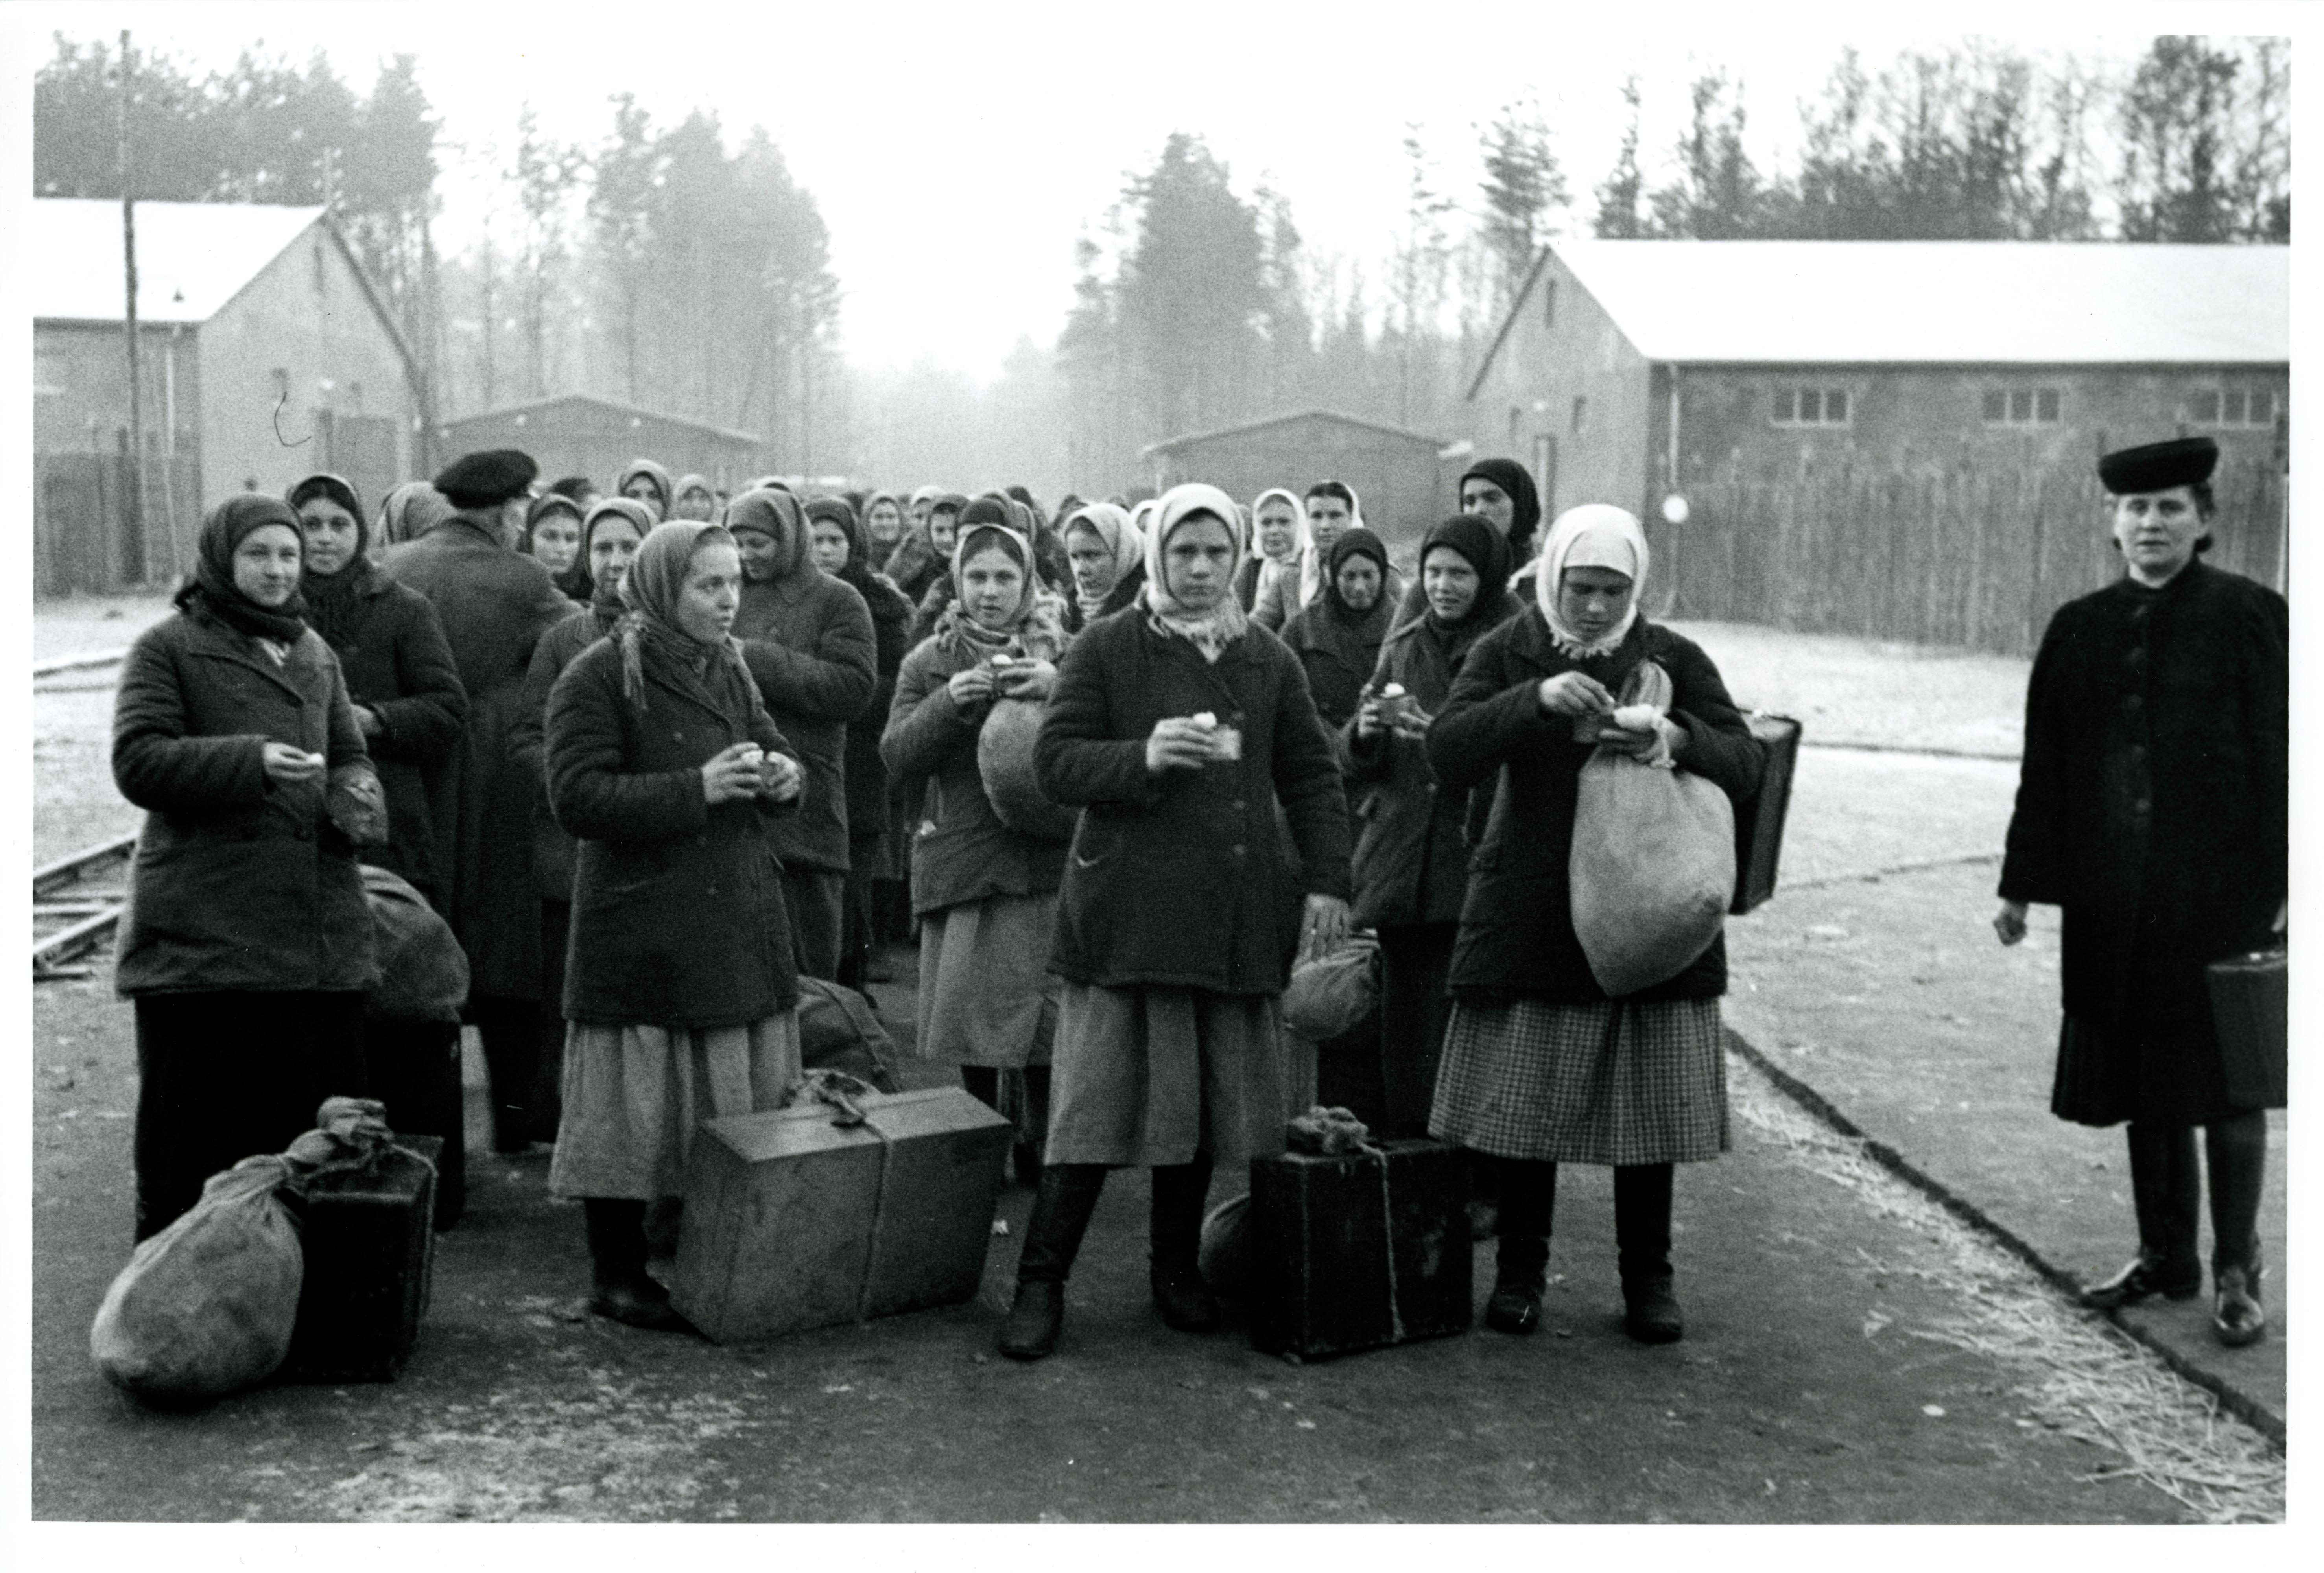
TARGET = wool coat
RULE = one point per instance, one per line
(495, 606)
(961, 851)
(397, 664)
(867, 772)
(1516, 918)
(240, 882)
(1337, 655)
(1189, 877)
(1412, 854)
(808, 640)
(1124, 593)
(678, 905)
(2152, 807)
(552, 848)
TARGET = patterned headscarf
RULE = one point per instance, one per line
(1596, 535)
(651, 590)
(1036, 626)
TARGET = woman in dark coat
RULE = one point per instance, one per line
(1412, 859)
(680, 986)
(924, 557)
(650, 483)
(398, 668)
(246, 943)
(552, 537)
(2152, 806)
(1540, 1067)
(1338, 638)
(807, 637)
(1178, 731)
(1500, 491)
(1106, 557)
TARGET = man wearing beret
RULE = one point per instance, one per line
(494, 603)
(2152, 809)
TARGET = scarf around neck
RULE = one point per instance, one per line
(1596, 535)
(1210, 632)
(651, 592)
(212, 592)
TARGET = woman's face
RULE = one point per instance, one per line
(556, 540)
(759, 550)
(828, 544)
(696, 503)
(266, 563)
(1092, 562)
(1279, 528)
(1359, 580)
(886, 525)
(643, 489)
(1450, 581)
(942, 528)
(1591, 601)
(712, 594)
(330, 533)
(2157, 530)
(990, 586)
(1487, 501)
(1197, 561)
(920, 512)
(1327, 515)
(612, 545)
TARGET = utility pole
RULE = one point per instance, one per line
(135, 503)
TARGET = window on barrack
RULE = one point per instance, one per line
(2024, 406)
(1811, 407)
(2231, 406)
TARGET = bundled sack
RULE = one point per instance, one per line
(207, 1306)
(1004, 759)
(1333, 993)
(839, 1031)
(1652, 866)
(423, 973)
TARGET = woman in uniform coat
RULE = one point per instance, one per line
(246, 943)
(1177, 729)
(2152, 806)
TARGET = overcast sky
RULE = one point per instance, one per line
(955, 151)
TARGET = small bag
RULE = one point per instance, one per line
(1004, 759)
(2250, 1004)
(1332, 994)
(1759, 821)
(423, 973)
(840, 1031)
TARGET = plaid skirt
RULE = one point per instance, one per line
(1624, 1081)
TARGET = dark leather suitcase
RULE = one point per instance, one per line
(1759, 823)
(414, 1069)
(2250, 1006)
(370, 1250)
(1358, 1250)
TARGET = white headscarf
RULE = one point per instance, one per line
(1111, 525)
(1211, 632)
(1596, 535)
(1311, 557)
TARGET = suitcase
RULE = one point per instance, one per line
(794, 1219)
(370, 1247)
(1358, 1250)
(1759, 823)
(415, 1071)
(2250, 1006)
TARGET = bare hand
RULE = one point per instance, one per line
(367, 721)
(731, 773)
(1176, 743)
(286, 764)
(1413, 723)
(1367, 718)
(781, 778)
(2009, 923)
(970, 685)
(1323, 928)
(1573, 693)
(1026, 680)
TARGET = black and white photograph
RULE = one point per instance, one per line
(1249, 765)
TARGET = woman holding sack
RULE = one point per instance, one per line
(680, 986)
(1540, 1065)
(986, 895)
(246, 943)
(1177, 731)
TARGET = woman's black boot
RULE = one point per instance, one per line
(1175, 1231)
(1528, 1199)
(1053, 1239)
(1642, 1215)
(2166, 1190)
(617, 1262)
(2237, 1153)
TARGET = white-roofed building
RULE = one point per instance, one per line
(1808, 400)
(267, 353)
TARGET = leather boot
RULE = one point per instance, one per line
(2236, 1152)
(1053, 1239)
(1642, 1214)
(617, 1262)
(1528, 1200)
(1174, 1231)
(2166, 1191)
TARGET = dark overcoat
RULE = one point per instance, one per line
(677, 906)
(1338, 656)
(1186, 877)
(2152, 806)
(495, 605)
(808, 641)
(552, 848)
(239, 882)
(867, 773)
(1517, 920)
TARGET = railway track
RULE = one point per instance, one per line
(76, 905)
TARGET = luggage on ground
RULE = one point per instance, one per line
(2250, 1004)
(367, 1204)
(1759, 822)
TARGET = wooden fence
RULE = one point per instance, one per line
(1974, 559)
(88, 534)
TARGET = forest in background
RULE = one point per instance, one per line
(682, 268)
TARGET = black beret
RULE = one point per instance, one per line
(488, 479)
(2185, 461)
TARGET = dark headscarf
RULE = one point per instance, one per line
(1487, 551)
(776, 514)
(838, 512)
(574, 579)
(605, 600)
(331, 598)
(212, 592)
(1524, 516)
(653, 471)
(651, 590)
(1357, 542)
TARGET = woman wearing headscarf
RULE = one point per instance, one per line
(808, 640)
(1540, 1066)
(696, 498)
(1500, 491)
(925, 556)
(398, 668)
(883, 526)
(944, 533)
(1329, 509)
(681, 990)
(1278, 532)
(923, 499)
(985, 894)
(1177, 733)
(1412, 859)
(1338, 639)
(650, 485)
(408, 512)
(246, 943)
(1106, 557)
(552, 537)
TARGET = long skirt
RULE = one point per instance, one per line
(226, 1075)
(1624, 1081)
(635, 1094)
(987, 996)
(1151, 1075)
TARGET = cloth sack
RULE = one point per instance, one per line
(1653, 865)
(1332, 994)
(424, 974)
(1004, 759)
(839, 1031)
(207, 1306)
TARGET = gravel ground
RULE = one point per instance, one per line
(1869, 692)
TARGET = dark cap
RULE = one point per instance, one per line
(488, 479)
(2186, 461)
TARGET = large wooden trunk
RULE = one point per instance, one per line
(795, 1221)
(1759, 823)
(370, 1247)
(1358, 1250)
(2251, 1005)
